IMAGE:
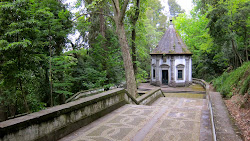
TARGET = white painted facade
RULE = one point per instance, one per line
(180, 62)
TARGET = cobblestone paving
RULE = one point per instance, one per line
(180, 123)
(176, 119)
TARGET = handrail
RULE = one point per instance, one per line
(206, 86)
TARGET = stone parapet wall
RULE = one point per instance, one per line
(56, 122)
(200, 81)
(150, 97)
(205, 85)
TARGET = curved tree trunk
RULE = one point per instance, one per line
(119, 15)
(130, 76)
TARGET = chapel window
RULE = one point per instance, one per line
(180, 74)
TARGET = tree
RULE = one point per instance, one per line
(119, 14)
(97, 29)
(62, 67)
(224, 28)
(24, 49)
(217, 37)
(174, 8)
(133, 18)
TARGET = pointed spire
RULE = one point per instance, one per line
(171, 43)
(170, 21)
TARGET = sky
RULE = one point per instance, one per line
(187, 5)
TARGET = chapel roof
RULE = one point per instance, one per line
(171, 43)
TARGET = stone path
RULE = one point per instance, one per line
(168, 118)
(223, 125)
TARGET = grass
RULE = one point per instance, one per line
(237, 81)
(185, 95)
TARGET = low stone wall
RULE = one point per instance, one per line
(206, 87)
(90, 92)
(201, 82)
(85, 93)
(150, 97)
(56, 122)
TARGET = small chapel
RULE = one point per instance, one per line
(171, 62)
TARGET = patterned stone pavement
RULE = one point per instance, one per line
(167, 119)
(180, 123)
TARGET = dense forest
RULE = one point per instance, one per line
(41, 67)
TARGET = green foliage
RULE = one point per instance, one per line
(141, 75)
(216, 34)
(245, 87)
(174, 8)
(206, 64)
(236, 81)
(228, 26)
(62, 74)
(150, 27)
(33, 32)
(25, 28)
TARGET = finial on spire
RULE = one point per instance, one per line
(170, 20)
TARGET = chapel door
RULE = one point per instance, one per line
(165, 77)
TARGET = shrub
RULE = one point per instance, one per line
(235, 81)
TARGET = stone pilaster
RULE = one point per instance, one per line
(172, 81)
(157, 69)
(187, 71)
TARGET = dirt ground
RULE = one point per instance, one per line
(240, 114)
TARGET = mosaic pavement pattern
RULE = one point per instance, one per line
(171, 119)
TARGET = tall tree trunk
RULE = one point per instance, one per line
(129, 71)
(134, 20)
(3, 111)
(246, 44)
(102, 23)
(24, 96)
(236, 52)
(104, 46)
(128, 65)
(62, 99)
(50, 76)
(134, 50)
(26, 106)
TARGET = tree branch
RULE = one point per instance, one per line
(94, 13)
(124, 7)
(137, 12)
(115, 6)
